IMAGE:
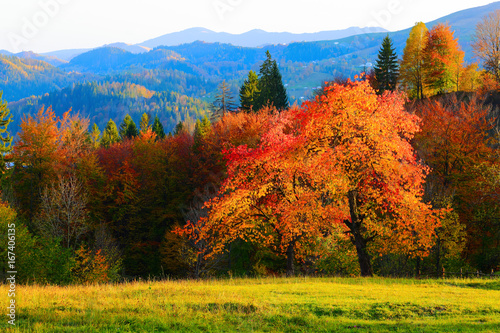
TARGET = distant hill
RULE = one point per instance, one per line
(253, 38)
(66, 54)
(129, 47)
(113, 100)
(100, 60)
(54, 61)
(23, 77)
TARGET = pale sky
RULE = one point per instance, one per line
(48, 25)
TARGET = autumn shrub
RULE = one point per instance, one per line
(177, 257)
(90, 266)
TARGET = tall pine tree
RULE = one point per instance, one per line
(158, 128)
(271, 87)
(386, 67)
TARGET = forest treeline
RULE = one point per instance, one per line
(358, 180)
(100, 102)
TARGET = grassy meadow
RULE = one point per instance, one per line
(261, 305)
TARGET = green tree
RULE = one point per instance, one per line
(110, 134)
(386, 67)
(201, 129)
(128, 129)
(249, 92)
(5, 138)
(179, 128)
(411, 70)
(158, 128)
(271, 87)
(131, 131)
(224, 102)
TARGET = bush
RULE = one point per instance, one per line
(37, 260)
(90, 267)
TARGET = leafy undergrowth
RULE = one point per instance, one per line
(261, 305)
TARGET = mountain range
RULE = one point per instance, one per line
(253, 38)
(194, 61)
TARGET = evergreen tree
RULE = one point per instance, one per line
(131, 131)
(128, 129)
(249, 92)
(271, 88)
(5, 138)
(144, 124)
(224, 102)
(201, 129)
(158, 128)
(386, 67)
(179, 128)
(95, 137)
(110, 134)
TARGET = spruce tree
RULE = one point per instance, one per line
(5, 137)
(128, 129)
(201, 129)
(179, 128)
(386, 67)
(271, 88)
(249, 92)
(158, 128)
(131, 131)
(110, 134)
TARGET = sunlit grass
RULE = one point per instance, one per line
(262, 305)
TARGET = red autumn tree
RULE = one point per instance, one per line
(36, 158)
(342, 163)
(456, 142)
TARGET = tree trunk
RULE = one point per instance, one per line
(357, 237)
(364, 258)
(290, 259)
(417, 268)
(438, 256)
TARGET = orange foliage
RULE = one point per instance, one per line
(443, 60)
(341, 163)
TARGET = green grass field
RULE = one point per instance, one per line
(261, 305)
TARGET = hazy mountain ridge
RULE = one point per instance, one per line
(194, 69)
(252, 38)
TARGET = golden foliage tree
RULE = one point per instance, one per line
(443, 60)
(411, 69)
